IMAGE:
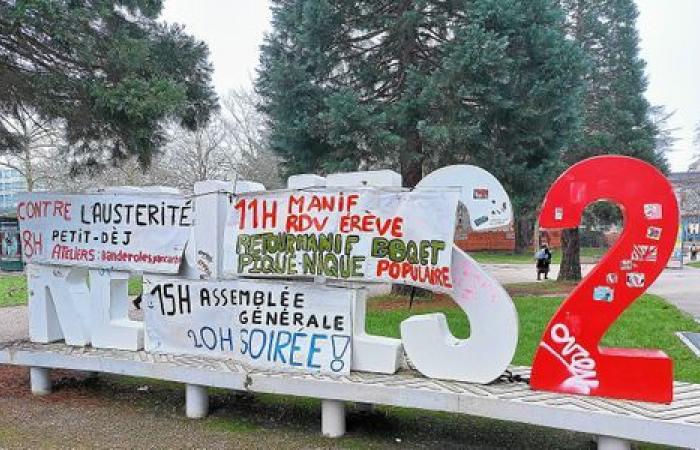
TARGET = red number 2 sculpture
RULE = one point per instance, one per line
(569, 358)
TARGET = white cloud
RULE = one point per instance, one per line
(233, 30)
(670, 44)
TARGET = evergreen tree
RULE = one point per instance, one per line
(616, 116)
(106, 68)
(418, 84)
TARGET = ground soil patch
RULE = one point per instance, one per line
(124, 412)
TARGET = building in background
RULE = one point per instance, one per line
(502, 239)
(12, 183)
(687, 187)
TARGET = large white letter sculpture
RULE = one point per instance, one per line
(78, 281)
(493, 320)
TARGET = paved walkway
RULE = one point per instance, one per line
(522, 273)
(681, 287)
(14, 323)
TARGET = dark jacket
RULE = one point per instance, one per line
(543, 263)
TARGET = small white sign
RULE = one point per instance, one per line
(275, 325)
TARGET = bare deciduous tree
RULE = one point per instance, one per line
(695, 164)
(250, 134)
(128, 172)
(233, 146)
(192, 156)
(35, 147)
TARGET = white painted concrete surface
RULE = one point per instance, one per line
(611, 443)
(196, 401)
(377, 178)
(40, 380)
(332, 418)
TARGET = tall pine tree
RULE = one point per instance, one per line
(106, 68)
(616, 116)
(418, 84)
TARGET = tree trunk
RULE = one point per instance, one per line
(412, 160)
(524, 228)
(411, 173)
(570, 258)
(536, 239)
(28, 168)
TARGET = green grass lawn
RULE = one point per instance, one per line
(135, 286)
(695, 264)
(587, 254)
(13, 290)
(544, 287)
(649, 323)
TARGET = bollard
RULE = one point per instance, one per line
(613, 443)
(332, 418)
(196, 401)
(40, 380)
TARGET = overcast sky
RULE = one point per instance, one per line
(669, 30)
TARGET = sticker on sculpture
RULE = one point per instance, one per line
(481, 194)
(611, 278)
(644, 253)
(653, 211)
(654, 233)
(481, 220)
(635, 280)
(558, 213)
(603, 294)
(626, 264)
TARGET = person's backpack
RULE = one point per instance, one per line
(540, 254)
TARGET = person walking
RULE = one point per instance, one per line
(543, 258)
(693, 252)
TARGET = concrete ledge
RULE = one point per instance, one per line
(676, 424)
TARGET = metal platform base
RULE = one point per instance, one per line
(616, 422)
